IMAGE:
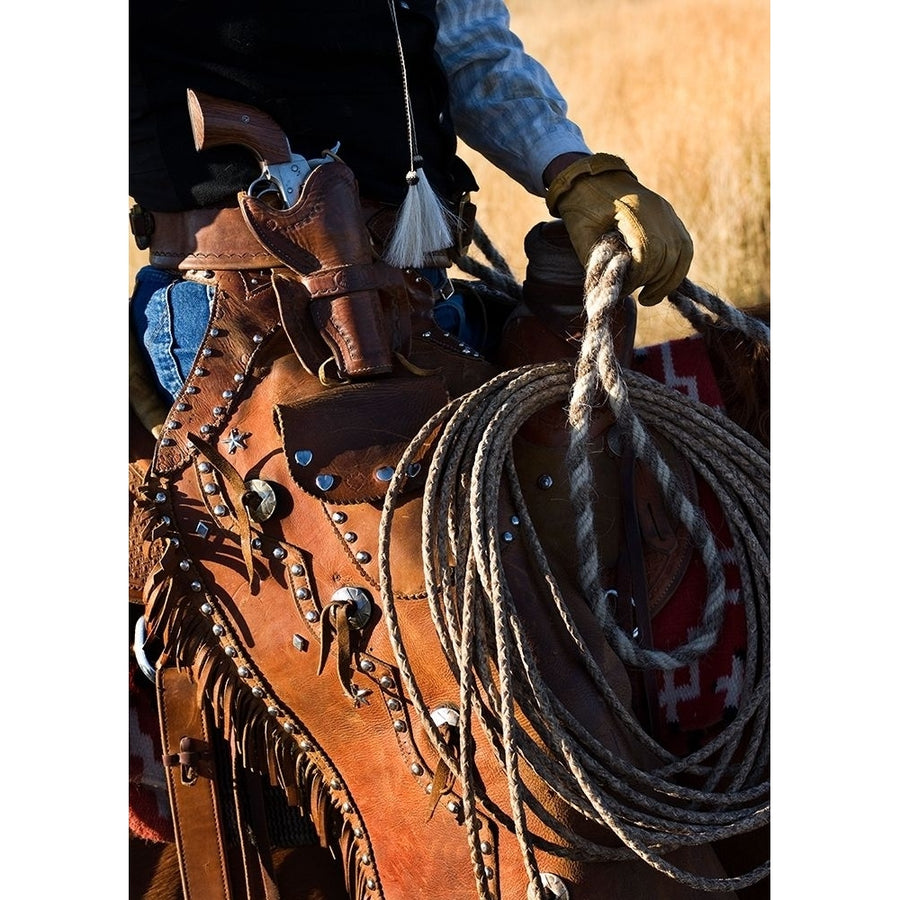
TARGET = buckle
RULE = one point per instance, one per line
(466, 224)
(141, 223)
(447, 290)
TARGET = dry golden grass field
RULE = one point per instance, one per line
(680, 89)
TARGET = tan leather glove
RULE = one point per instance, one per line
(599, 193)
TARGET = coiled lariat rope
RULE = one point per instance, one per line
(718, 791)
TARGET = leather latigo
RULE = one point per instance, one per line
(263, 505)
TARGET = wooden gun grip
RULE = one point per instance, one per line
(216, 122)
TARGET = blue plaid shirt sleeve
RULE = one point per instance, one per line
(504, 103)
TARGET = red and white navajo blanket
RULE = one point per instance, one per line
(695, 700)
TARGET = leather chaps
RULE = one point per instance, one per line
(278, 670)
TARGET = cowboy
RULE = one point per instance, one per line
(402, 74)
(382, 90)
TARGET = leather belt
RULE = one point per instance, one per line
(214, 239)
(219, 238)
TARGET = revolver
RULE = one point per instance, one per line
(216, 122)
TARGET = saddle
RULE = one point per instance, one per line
(291, 594)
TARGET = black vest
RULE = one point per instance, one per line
(327, 72)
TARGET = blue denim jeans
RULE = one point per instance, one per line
(169, 316)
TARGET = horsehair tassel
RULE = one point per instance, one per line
(422, 225)
(422, 222)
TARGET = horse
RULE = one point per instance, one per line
(502, 632)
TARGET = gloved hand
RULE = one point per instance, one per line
(599, 193)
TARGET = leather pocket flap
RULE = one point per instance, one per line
(343, 446)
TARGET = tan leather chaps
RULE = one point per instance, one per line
(278, 665)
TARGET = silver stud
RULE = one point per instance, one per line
(200, 372)
(289, 727)
(204, 467)
(426, 334)
(196, 586)
(445, 715)
(508, 537)
(363, 557)
(167, 442)
(303, 457)
(453, 807)
(488, 872)
(257, 338)
(227, 395)
(485, 847)
(210, 488)
(230, 652)
(325, 482)
(300, 643)
(218, 630)
(513, 520)
(357, 832)
(218, 410)
(301, 594)
(238, 377)
(279, 553)
(265, 501)
(312, 616)
(192, 389)
(205, 429)
(370, 884)
(206, 609)
(385, 473)
(181, 407)
(207, 352)
(256, 543)
(399, 726)
(361, 602)
(273, 711)
(305, 746)
(257, 691)
(235, 440)
(297, 569)
(165, 520)
(160, 497)
(350, 537)
(416, 769)
(339, 518)
(345, 808)
(365, 859)
(335, 784)
(220, 510)
(555, 885)
(184, 565)
(367, 665)
(214, 332)
(394, 705)
(545, 482)
(243, 671)
(386, 681)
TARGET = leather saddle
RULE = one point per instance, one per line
(259, 530)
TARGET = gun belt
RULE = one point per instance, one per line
(218, 238)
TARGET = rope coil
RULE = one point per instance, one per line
(650, 808)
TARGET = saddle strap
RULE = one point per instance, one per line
(633, 606)
(191, 778)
